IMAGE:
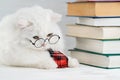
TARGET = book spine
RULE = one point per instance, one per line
(94, 9)
(91, 52)
(98, 21)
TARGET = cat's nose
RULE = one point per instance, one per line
(35, 37)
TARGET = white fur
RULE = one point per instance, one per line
(16, 50)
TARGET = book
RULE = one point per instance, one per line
(98, 32)
(107, 61)
(93, 9)
(97, 0)
(98, 21)
(99, 46)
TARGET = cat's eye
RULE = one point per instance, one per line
(50, 34)
(36, 37)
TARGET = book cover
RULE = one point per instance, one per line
(98, 60)
(98, 21)
(93, 9)
(99, 46)
(98, 32)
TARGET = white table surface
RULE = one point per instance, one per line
(81, 73)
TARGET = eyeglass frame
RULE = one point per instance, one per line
(33, 43)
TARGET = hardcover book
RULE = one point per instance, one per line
(107, 61)
(93, 32)
(93, 8)
(99, 46)
(99, 21)
(96, 0)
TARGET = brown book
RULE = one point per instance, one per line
(93, 8)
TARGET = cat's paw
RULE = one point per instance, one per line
(50, 64)
(73, 63)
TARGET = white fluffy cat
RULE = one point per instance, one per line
(18, 34)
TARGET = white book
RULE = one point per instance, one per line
(99, 21)
(99, 46)
(97, 60)
(93, 32)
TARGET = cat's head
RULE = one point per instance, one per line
(38, 29)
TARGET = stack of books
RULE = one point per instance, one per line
(97, 32)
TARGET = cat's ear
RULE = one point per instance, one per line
(23, 23)
(54, 17)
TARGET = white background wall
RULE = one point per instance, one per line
(60, 6)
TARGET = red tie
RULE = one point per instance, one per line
(60, 59)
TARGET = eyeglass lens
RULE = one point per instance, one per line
(52, 40)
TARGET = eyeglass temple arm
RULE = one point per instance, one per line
(30, 41)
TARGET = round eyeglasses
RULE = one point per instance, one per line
(52, 39)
